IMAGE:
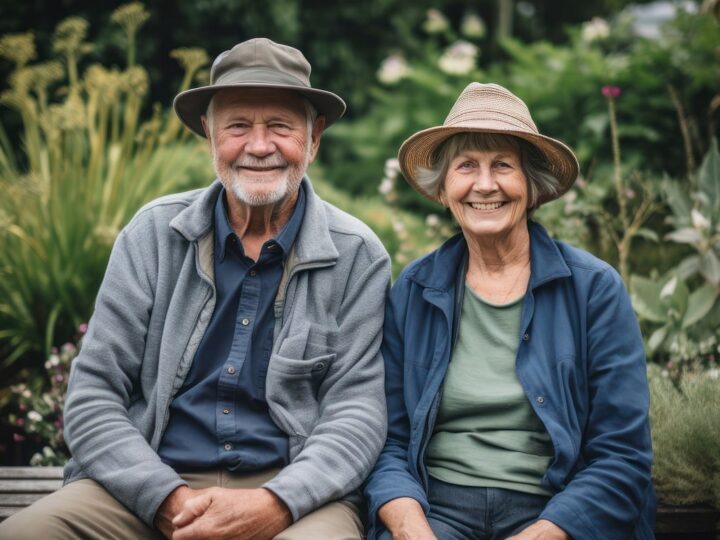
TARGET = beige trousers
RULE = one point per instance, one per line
(84, 510)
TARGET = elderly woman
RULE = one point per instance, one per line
(515, 372)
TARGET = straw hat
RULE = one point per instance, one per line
(257, 63)
(487, 108)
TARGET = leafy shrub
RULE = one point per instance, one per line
(686, 437)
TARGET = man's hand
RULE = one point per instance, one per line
(541, 530)
(256, 514)
(171, 507)
(405, 519)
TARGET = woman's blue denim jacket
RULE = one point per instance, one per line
(580, 360)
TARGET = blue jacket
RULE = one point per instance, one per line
(580, 360)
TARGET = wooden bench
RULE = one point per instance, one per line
(21, 486)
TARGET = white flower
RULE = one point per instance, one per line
(699, 221)
(459, 58)
(435, 22)
(432, 220)
(398, 226)
(595, 29)
(714, 374)
(392, 167)
(386, 186)
(54, 360)
(393, 69)
(34, 416)
(472, 26)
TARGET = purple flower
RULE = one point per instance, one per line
(59, 378)
(58, 423)
(611, 91)
(20, 422)
(83, 328)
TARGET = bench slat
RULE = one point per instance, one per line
(20, 499)
(29, 486)
(24, 473)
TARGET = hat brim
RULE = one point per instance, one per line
(417, 151)
(192, 104)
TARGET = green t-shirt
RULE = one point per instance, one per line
(486, 433)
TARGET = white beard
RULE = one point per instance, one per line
(238, 185)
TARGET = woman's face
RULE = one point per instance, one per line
(486, 191)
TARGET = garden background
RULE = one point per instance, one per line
(87, 136)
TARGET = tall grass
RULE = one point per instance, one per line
(86, 164)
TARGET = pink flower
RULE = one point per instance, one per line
(54, 350)
(83, 328)
(611, 91)
(18, 438)
(20, 422)
(22, 406)
(59, 378)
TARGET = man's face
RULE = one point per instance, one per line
(260, 143)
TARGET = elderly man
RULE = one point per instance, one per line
(230, 384)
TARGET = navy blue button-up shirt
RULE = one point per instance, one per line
(220, 418)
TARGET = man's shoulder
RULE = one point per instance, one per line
(163, 209)
(346, 228)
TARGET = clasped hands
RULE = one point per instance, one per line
(215, 512)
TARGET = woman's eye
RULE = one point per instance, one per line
(466, 165)
(502, 164)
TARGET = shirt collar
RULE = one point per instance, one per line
(285, 238)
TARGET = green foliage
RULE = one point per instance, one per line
(87, 165)
(686, 437)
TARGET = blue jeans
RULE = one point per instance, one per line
(464, 513)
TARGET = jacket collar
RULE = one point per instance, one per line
(312, 244)
(439, 270)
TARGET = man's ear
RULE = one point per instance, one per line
(206, 128)
(317, 131)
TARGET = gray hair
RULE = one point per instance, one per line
(311, 115)
(541, 184)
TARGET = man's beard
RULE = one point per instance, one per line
(233, 179)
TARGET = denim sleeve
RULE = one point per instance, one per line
(391, 477)
(604, 499)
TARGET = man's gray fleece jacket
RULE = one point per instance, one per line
(324, 386)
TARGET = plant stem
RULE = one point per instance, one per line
(623, 246)
(685, 131)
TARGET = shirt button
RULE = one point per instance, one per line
(526, 337)
(245, 322)
(228, 446)
(231, 370)
(253, 272)
(226, 411)
(540, 400)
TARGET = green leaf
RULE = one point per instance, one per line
(657, 338)
(679, 201)
(686, 235)
(645, 296)
(648, 234)
(700, 303)
(709, 176)
(688, 267)
(710, 267)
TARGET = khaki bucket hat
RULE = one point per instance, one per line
(257, 63)
(486, 108)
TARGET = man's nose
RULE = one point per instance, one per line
(259, 142)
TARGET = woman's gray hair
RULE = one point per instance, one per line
(540, 183)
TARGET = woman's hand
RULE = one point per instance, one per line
(541, 530)
(405, 519)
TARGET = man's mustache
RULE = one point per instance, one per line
(268, 162)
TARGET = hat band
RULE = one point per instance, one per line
(502, 117)
(257, 75)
